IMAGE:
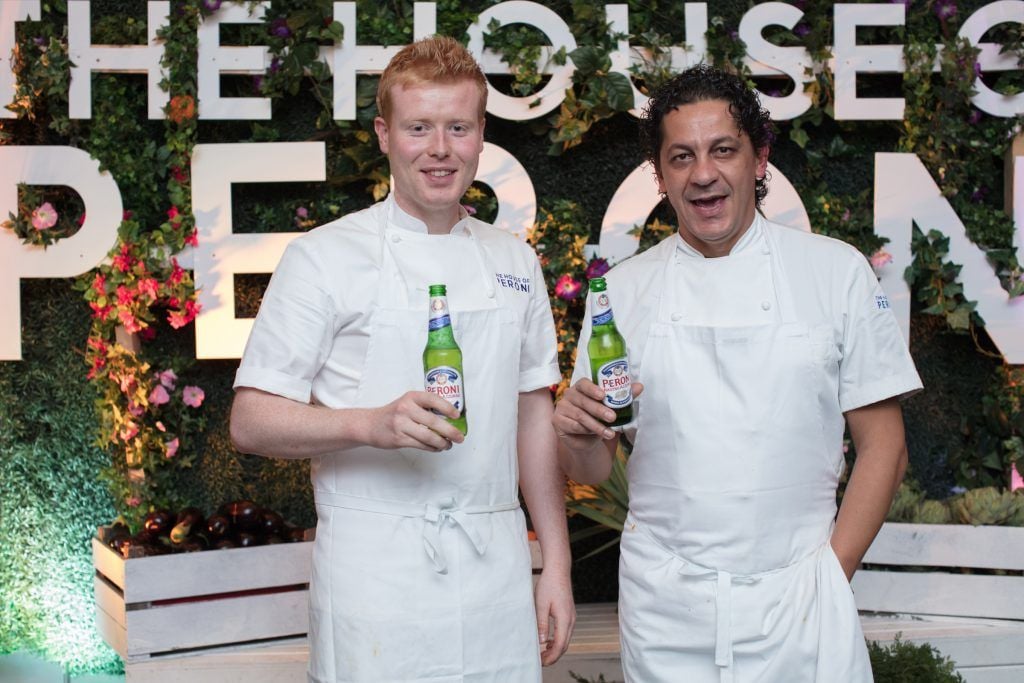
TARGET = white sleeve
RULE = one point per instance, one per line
(876, 363)
(538, 358)
(293, 331)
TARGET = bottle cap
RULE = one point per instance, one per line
(438, 290)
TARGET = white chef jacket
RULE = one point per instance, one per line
(310, 337)
(831, 283)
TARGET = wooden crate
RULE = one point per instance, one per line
(930, 581)
(152, 606)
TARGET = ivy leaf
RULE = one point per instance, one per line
(620, 92)
(959, 318)
(800, 137)
(590, 59)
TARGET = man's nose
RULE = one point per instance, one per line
(705, 171)
(439, 147)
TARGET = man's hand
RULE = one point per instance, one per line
(556, 615)
(581, 418)
(411, 421)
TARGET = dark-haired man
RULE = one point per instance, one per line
(754, 345)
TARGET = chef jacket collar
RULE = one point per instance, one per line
(406, 221)
(752, 237)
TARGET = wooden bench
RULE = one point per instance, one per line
(985, 649)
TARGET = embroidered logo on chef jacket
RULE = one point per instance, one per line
(514, 282)
(881, 301)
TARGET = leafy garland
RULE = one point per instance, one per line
(149, 414)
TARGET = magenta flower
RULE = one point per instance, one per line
(44, 217)
(168, 379)
(568, 287)
(597, 267)
(880, 258)
(945, 9)
(160, 425)
(193, 396)
(280, 28)
(134, 502)
(172, 448)
(159, 395)
(302, 212)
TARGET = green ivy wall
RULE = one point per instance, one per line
(51, 495)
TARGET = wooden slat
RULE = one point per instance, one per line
(948, 545)
(998, 597)
(214, 622)
(969, 642)
(283, 662)
(167, 577)
(112, 630)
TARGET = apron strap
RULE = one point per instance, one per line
(435, 516)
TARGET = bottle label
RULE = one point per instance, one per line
(446, 382)
(613, 378)
(438, 313)
(602, 311)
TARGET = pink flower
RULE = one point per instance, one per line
(129, 432)
(172, 448)
(159, 395)
(127, 383)
(126, 215)
(193, 396)
(568, 287)
(302, 212)
(134, 502)
(174, 216)
(125, 296)
(44, 217)
(177, 272)
(99, 283)
(160, 425)
(100, 312)
(128, 321)
(124, 260)
(168, 379)
(471, 210)
(193, 239)
(149, 288)
(135, 409)
(597, 267)
(880, 258)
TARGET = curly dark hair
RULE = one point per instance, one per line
(699, 84)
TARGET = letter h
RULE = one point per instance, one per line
(88, 58)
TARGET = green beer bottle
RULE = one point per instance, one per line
(442, 358)
(609, 366)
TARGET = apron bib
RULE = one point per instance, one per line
(726, 572)
(418, 555)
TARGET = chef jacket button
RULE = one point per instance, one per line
(766, 305)
(676, 317)
(490, 292)
(395, 237)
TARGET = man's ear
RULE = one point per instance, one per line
(762, 161)
(380, 126)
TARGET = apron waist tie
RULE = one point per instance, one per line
(723, 612)
(434, 516)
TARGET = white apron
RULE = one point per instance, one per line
(421, 569)
(726, 572)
